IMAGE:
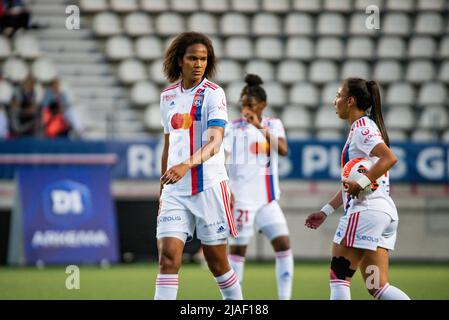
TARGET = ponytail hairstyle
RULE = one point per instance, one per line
(367, 95)
(253, 88)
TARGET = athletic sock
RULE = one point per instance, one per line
(229, 286)
(340, 289)
(166, 287)
(388, 292)
(238, 264)
(284, 274)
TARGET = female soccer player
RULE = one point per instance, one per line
(253, 144)
(367, 231)
(194, 190)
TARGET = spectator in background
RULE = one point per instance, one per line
(58, 120)
(13, 16)
(24, 112)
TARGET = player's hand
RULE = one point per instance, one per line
(251, 117)
(175, 173)
(351, 187)
(314, 220)
(232, 201)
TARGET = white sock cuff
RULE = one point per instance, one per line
(338, 282)
(284, 254)
(380, 291)
(167, 280)
(236, 258)
(227, 280)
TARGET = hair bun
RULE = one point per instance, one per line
(253, 80)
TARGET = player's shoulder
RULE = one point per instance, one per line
(271, 121)
(363, 124)
(169, 93)
(211, 85)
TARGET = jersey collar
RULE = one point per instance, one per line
(192, 90)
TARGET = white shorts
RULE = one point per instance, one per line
(367, 229)
(269, 215)
(209, 211)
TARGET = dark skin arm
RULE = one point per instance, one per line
(386, 161)
(214, 140)
(316, 219)
(164, 158)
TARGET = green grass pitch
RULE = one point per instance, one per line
(136, 281)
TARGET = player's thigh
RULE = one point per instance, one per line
(374, 268)
(270, 220)
(346, 257)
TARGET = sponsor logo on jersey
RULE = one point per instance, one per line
(362, 237)
(170, 218)
(221, 229)
(181, 121)
(169, 97)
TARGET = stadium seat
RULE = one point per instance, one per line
(27, 46)
(329, 134)
(270, 48)
(307, 6)
(6, 92)
(355, 69)
(396, 24)
(327, 119)
(445, 136)
(262, 68)
(296, 117)
(228, 71)
(123, 6)
(390, 47)
(154, 5)
(277, 6)
(444, 48)
(233, 91)
(119, 48)
(266, 24)
(169, 23)
(431, 5)
(90, 6)
(304, 93)
(239, 48)
(290, 71)
(301, 48)
(218, 46)
(156, 72)
(401, 93)
(247, 6)
(400, 5)
(153, 117)
(419, 71)
(357, 25)
(5, 48)
(143, 93)
(422, 47)
(185, 6)
(400, 117)
(434, 118)
(432, 93)
(131, 70)
(202, 22)
(360, 48)
(386, 71)
(444, 72)
(148, 48)
(276, 95)
(338, 5)
(363, 4)
(299, 24)
(106, 24)
(331, 24)
(232, 24)
(215, 6)
(424, 136)
(137, 24)
(43, 70)
(429, 23)
(397, 136)
(329, 48)
(322, 71)
(329, 93)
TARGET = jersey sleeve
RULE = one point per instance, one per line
(217, 114)
(227, 142)
(366, 138)
(278, 129)
(164, 120)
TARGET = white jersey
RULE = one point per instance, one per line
(185, 115)
(252, 166)
(363, 137)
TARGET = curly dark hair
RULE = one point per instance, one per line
(177, 50)
(253, 88)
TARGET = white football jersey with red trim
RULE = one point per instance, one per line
(252, 166)
(363, 136)
(185, 115)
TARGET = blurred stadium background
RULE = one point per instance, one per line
(110, 72)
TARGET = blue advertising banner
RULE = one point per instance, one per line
(63, 215)
(308, 159)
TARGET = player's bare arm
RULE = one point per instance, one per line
(316, 219)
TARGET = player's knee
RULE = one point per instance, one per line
(238, 250)
(169, 263)
(340, 268)
(218, 267)
(281, 243)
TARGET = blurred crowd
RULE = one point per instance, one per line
(14, 15)
(26, 117)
